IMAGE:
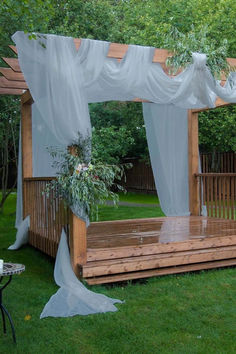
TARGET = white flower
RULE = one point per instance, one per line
(79, 168)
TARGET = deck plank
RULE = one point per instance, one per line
(156, 230)
(160, 272)
(148, 249)
(124, 265)
(132, 249)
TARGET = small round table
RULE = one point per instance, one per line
(9, 269)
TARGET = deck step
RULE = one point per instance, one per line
(200, 242)
(159, 272)
(156, 261)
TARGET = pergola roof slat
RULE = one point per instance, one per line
(13, 48)
(13, 63)
(9, 74)
(12, 84)
(231, 61)
(10, 91)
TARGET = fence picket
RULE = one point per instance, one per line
(217, 190)
(46, 221)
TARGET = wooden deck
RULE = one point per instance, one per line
(140, 248)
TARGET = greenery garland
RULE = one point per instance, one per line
(82, 180)
(183, 45)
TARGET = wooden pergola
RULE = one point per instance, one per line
(121, 260)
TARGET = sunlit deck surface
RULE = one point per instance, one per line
(130, 249)
(157, 230)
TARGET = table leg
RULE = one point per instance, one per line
(3, 321)
(4, 311)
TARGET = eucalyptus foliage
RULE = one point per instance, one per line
(182, 45)
(83, 182)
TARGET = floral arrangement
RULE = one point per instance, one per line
(83, 181)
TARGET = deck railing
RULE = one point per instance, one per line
(218, 193)
(220, 162)
(48, 215)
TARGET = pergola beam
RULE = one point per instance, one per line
(219, 103)
(26, 98)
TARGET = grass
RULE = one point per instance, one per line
(139, 198)
(192, 313)
(125, 212)
(219, 212)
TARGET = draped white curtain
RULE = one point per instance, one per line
(73, 298)
(167, 136)
(62, 82)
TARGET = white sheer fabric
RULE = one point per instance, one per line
(22, 234)
(73, 298)
(58, 74)
(42, 138)
(167, 136)
(63, 81)
(42, 167)
(54, 77)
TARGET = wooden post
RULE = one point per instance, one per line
(78, 237)
(193, 158)
(26, 143)
(78, 243)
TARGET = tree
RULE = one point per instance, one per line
(217, 130)
(9, 127)
(126, 115)
(111, 144)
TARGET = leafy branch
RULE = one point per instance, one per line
(84, 183)
(182, 45)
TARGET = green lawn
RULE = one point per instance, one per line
(106, 212)
(139, 198)
(192, 313)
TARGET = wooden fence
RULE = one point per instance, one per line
(48, 215)
(217, 192)
(220, 162)
(140, 177)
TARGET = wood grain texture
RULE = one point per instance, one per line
(12, 84)
(186, 243)
(9, 74)
(13, 48)
(26, 98)
(26, 135)
(160, 272)
(149, 249)
(10, 91)
(13, 63)
(132, 264)
(78, 243)
(48, 215)
(218, 191)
